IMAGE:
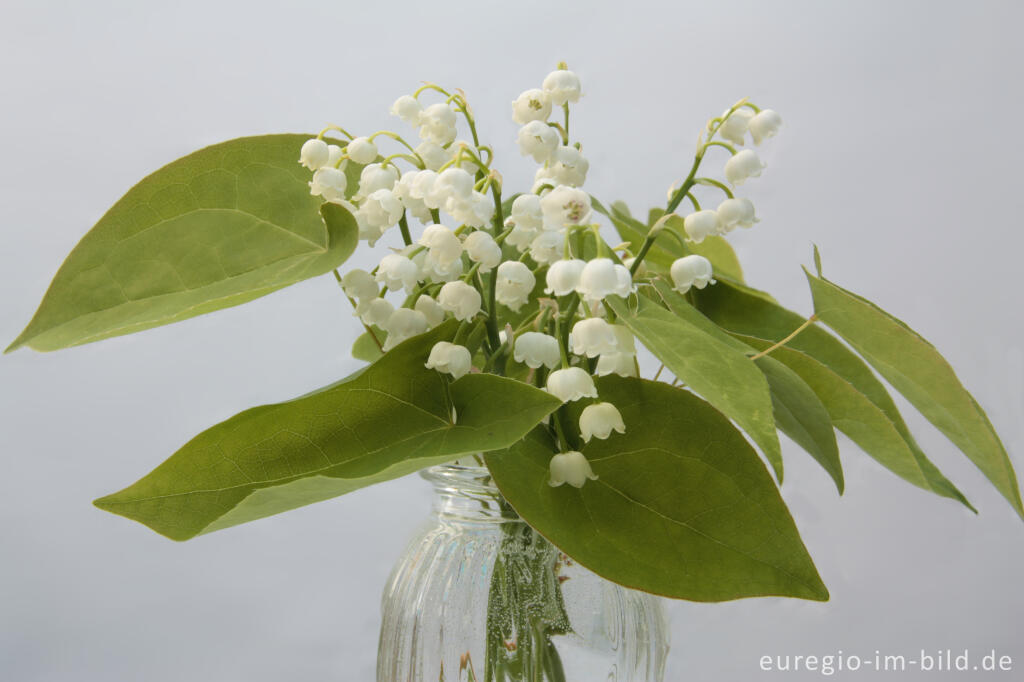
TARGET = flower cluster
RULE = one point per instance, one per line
(526, 280)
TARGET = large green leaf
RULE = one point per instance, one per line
(857, 402)
(219, 227)
(716, 370)
(917, 370)
(392, 418)
(682, 505)
(800, 415)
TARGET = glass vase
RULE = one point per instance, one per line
(479, 596)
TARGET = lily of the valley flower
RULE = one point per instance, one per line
(603, 277)
(437, 124)
(592, 337)
(328, 183)
(742, 166)
(314, 154)
(562, 86)
(599, 420)
(531, 105)
(362, 150)
(481, 248)
(691, 271)
(564, 276)
(381, 210)
(735, 127)
(450, 358)
(571, 383)
(403, 324)
(431, 310)
(460, 299)
(445, 247)
(538, 140)
(569, 167)
(397, 272)
(376, 312)
(701, 224)
(572, 468)
(764, 125)
(565, 206)
(359, 284)
(547, 247)
(527, 212)
(535, 349)
(408, 109)
(515, 284)
(733, 213)
(377, 176)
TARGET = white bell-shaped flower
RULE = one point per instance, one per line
(460, 299)
(570, 467)
(600, 278)
(701, 224)
(641, 271)
(403, 324)
(381, 209)
(453, 184)
(431, 310)
(397, 272)
(733, 213)
(742, 166)
(314, 154)
(377, 176)
(527, 212)
(359, 284)
(564, 276)
(434, 155)
(328, 183)
(421, 187)
(562, 86)
(431, 270)
(520, 237)
(481, 248)
(548, 246)
(532, 105)
(571, 383)
(415, 206)
(444, 245)
(535, 349)
(437, 124)
(624, 285)
(691, 271)
(764, 125)
(599, 420)
(734, 129)
(408, 109)
(334, 154)
(515, 284)
(450, 358)
(361, 150)
(623, 364)
(538, 140)
(542, 180)
(565, 206)
(569, 167)
(592, 337)
(376, 312)
(475, 210)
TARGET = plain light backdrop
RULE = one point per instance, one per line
(900, 157)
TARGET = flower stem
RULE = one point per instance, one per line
(810, 320)
(403, 224)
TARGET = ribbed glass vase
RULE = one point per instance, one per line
(479, 596)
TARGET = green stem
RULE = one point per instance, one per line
(403, 224)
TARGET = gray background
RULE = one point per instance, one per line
(900, 156)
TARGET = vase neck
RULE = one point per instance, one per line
(467, 494)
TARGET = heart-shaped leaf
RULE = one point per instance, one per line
(682, 506)
(390, 419)
(917, 370)
(217, 228)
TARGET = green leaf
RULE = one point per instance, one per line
(719, 372)
(800, 415)
(716, 249)
(857, 402)
(917, 370)
(365, 348)
(682, 506)
(390, 419)
(217, 228)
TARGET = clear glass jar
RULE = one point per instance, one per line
(479, 596)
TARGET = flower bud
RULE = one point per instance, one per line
(314, 154)
(481, 248)
(361, 150)
(359, 284)
(735, 127)
(397, 272)
(564, 276)
(733, 213)
(408, 109)
(515, 284)
(562, 86)
(450, 358)
(700, 225)
(537, 139)
(764, 125)
(742, 166)
(444, 246)
(572, 468)
(431, 310)
(535, 349)
(548, 246)
(565, 206)
(460, 299)
(598, 279)
(692, 270)
(532, 105)
(599, 420)
(403, 324)
(592, 337)
(571, 383)
(328, 183)
(569, 167)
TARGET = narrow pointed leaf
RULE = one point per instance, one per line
(716, 370)
(217, 228)
(917, 370)
(388, 420)
(682, 506)
(857, 402)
